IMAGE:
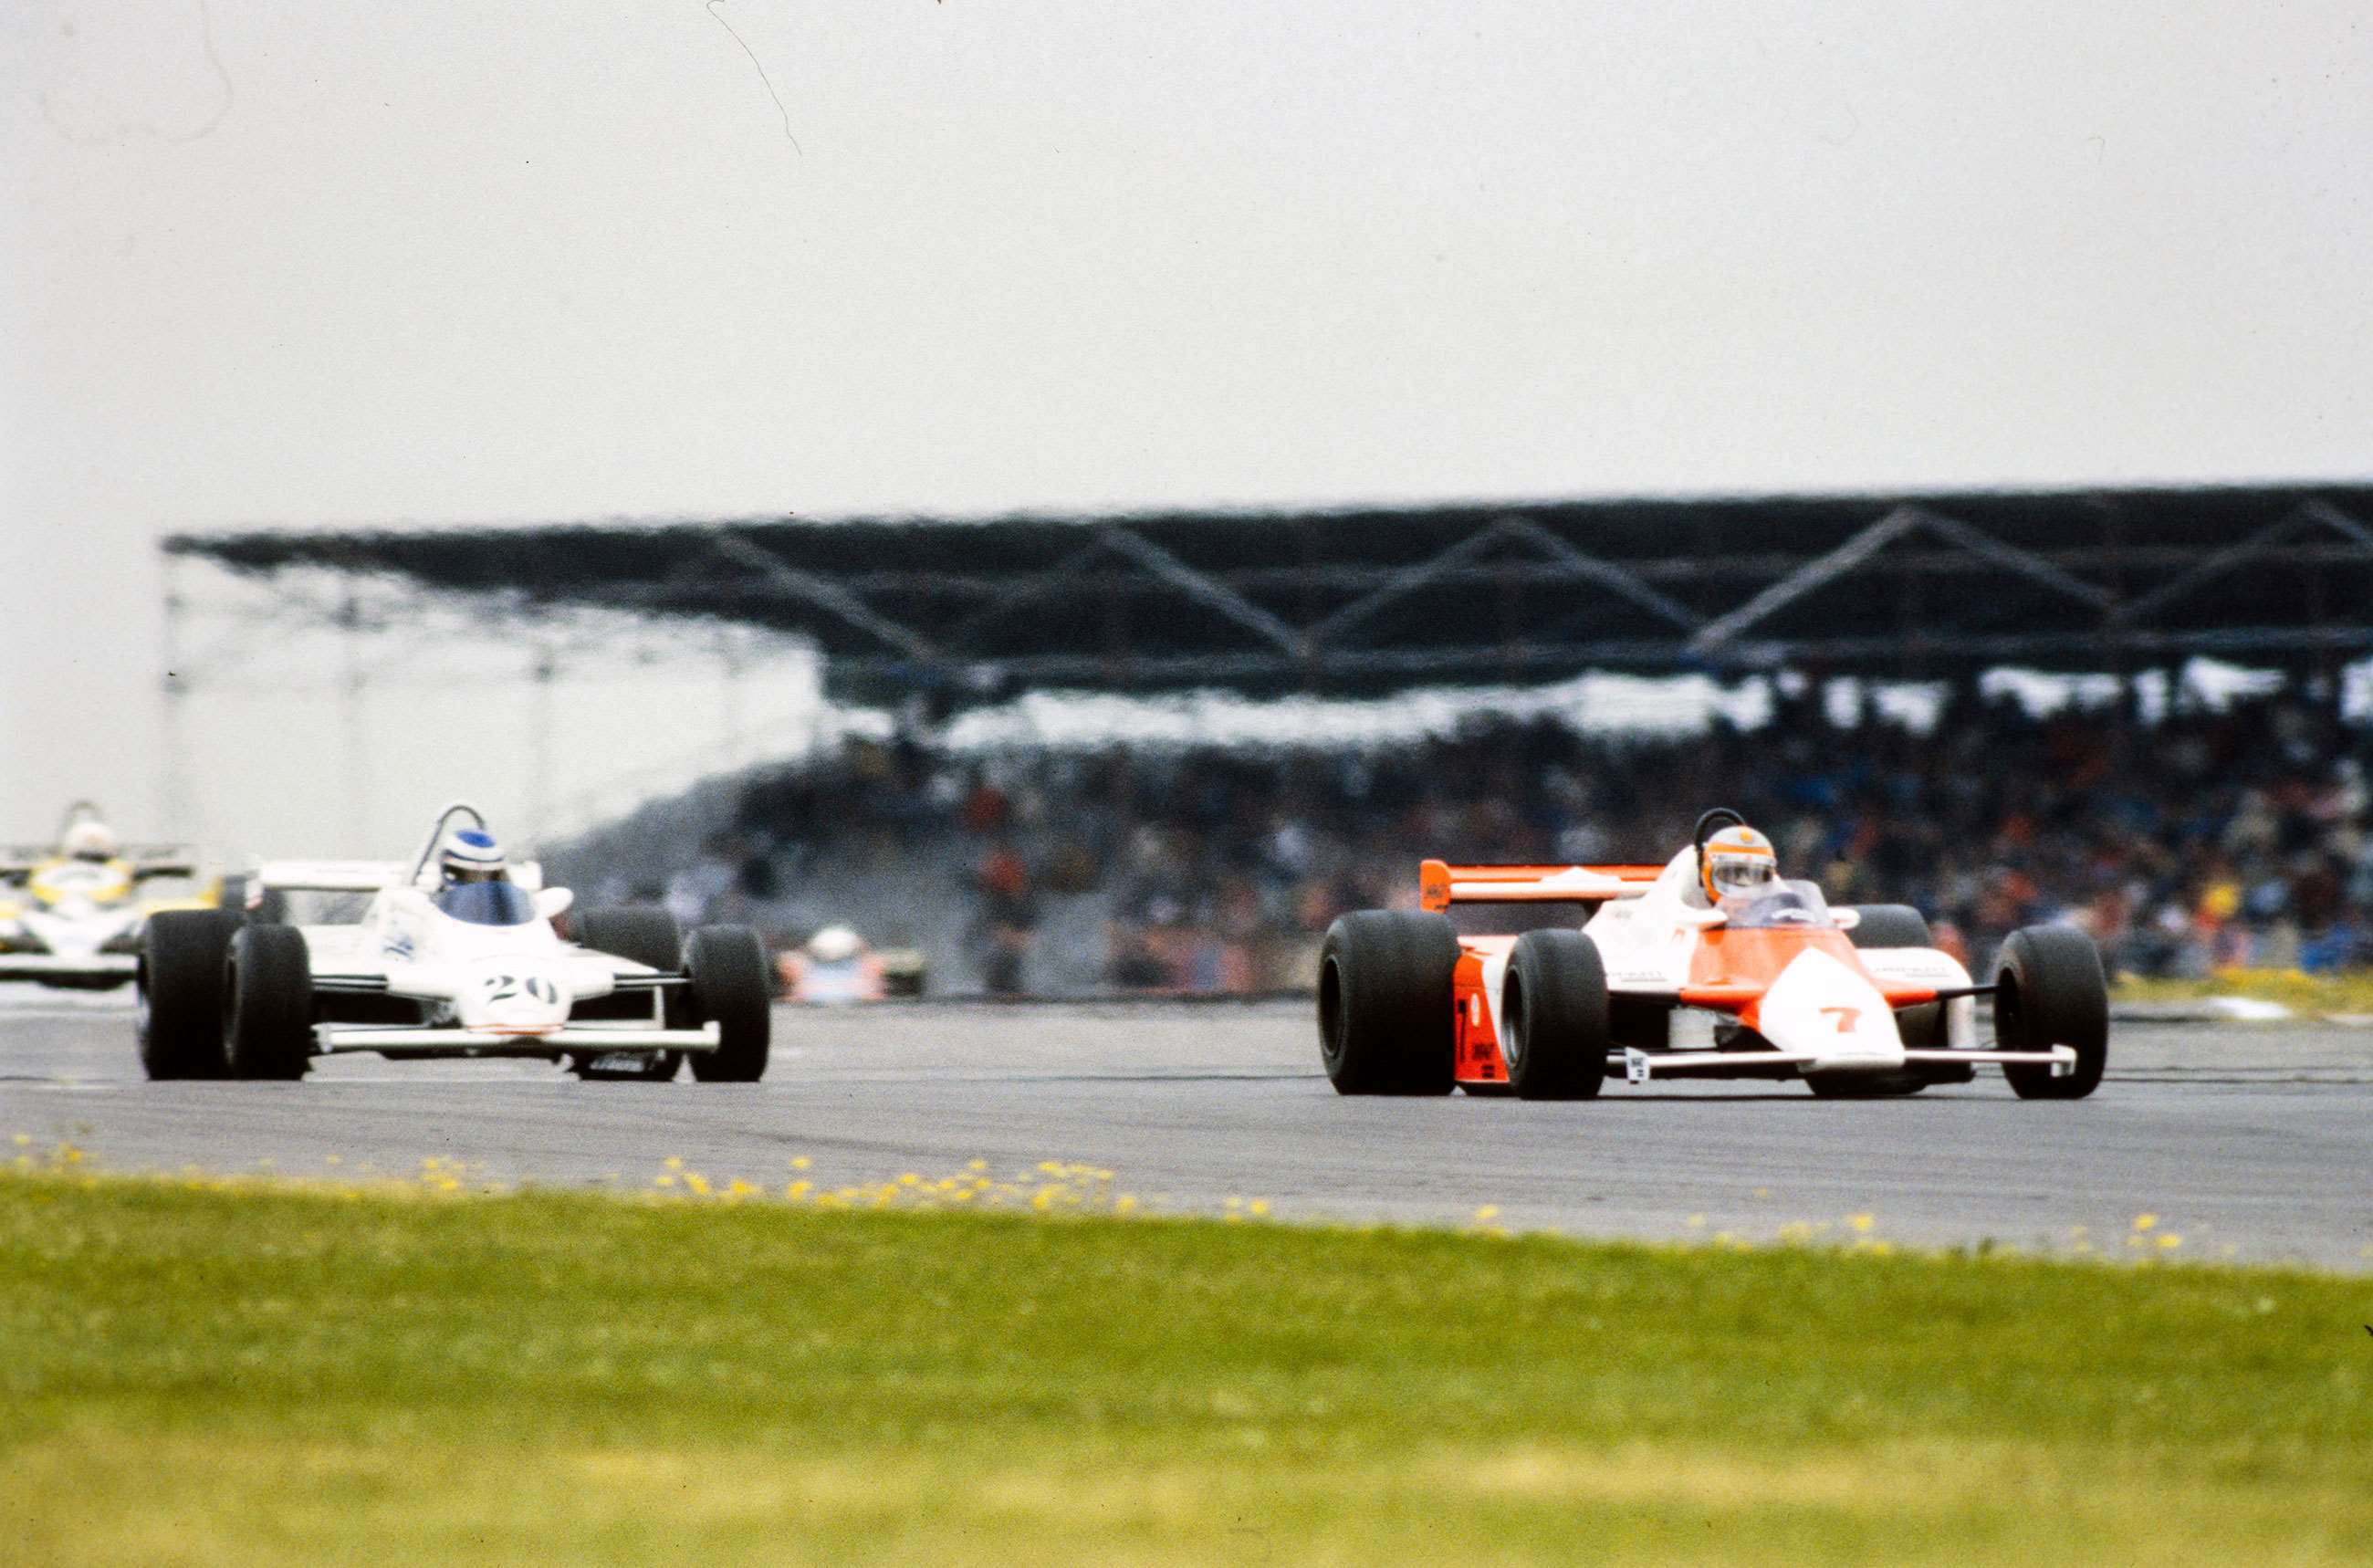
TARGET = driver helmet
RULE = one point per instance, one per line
(90, 839)
(834, 944)
(1737, 860)
(470, 854)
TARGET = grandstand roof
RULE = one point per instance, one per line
(1377, 599)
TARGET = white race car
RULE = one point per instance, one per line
(72, 913)
(1540, 980)
(437, 966)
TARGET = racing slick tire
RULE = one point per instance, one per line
(640, 936)
(731, 987)
(1554, 1032)
(268, 1003)
(1890, 925)
(2048, 990)
(179, 992)
(1385, 980)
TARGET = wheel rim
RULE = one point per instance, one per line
(2010, 1029)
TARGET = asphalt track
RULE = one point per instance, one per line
(2248, 1141)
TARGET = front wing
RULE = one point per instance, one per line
(1639, 1065)
(50, 966)
(640, 1037)
(402, 1039)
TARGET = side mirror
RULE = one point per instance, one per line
(554, 902)
(1846, 919)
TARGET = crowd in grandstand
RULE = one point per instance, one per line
(2201, 840)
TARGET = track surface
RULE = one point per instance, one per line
(2253, 1139)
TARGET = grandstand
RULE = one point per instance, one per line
(2184, 834)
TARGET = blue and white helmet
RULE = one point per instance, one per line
(470, 854)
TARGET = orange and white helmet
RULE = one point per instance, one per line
(1736, 861)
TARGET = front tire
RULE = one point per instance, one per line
(2048, 990)
(179, 984)
(268, 1003)
(727, 967)
(1554, 1031)
(1385, 979)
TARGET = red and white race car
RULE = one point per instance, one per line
(1539, 980)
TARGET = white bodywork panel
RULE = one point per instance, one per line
(1819, 1013)
(489, 989)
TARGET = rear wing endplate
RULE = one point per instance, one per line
(1440, 884)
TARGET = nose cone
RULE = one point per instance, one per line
(1820, 1004)
(514, 998)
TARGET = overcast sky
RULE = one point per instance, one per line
(434, 261)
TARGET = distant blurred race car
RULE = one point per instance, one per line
(1539, 980)
(836, 966)
(453, 953)
(72, 913)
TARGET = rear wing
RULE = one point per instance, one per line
(18, 861)
(326, 876)
(1440, 884)
(359, 876)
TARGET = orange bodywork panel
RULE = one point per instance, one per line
(1731, 970)
(1434, 877)
(1477, 1047)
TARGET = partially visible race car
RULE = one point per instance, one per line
(72, 913)
(1540, 980)
(452, 954)
(832, 968)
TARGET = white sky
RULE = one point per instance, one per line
(296, 265)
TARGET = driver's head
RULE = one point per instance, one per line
(834, 944)
(90, 839)
(470, 854)
(1736, 861)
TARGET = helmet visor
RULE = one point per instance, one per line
(1736, 874)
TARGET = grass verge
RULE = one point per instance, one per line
(2350, 992)
(274, 1375)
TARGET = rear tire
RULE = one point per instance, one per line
(2049, 992)
(268, 1003)
(1890, 925)
(727, 966)
(1384, 985)
(1554, 1031)
(649, 937)
(639, 935)
(180, 993)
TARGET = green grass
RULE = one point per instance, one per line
(2350, 991)
(274, 1375)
